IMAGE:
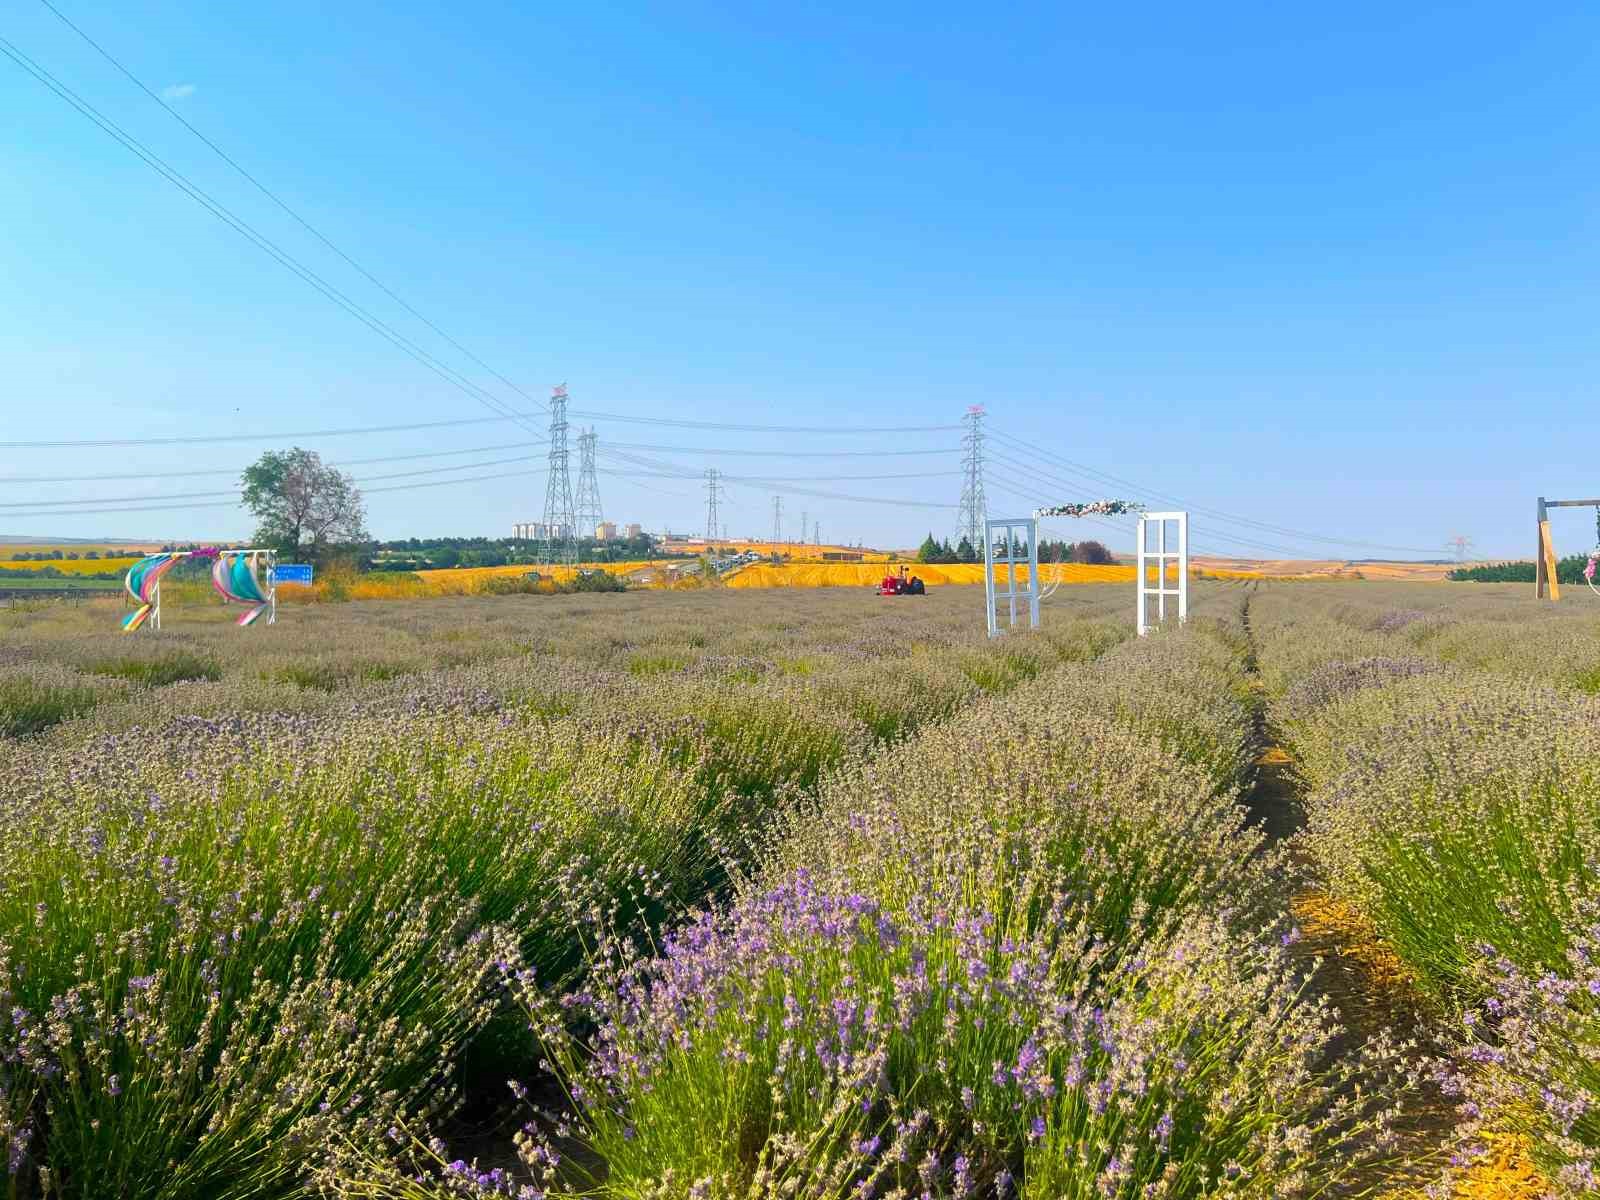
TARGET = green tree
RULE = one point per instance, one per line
(929, 550)
(1092, 553)
(966, 552)
(302, 505)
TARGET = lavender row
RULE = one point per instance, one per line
(243, 915)
(1031, 951)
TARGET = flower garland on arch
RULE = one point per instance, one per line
(1090, 508)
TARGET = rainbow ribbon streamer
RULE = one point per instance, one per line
(141, 582)
(236, 576)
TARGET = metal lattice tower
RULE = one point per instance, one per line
(777, 519)
(586, 507)
(974, 508)
(1460, 543)
(713, 491)
(559, 520)
(816, 533)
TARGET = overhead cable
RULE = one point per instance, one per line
(270, 195)
(1283, 531)
(250, 234)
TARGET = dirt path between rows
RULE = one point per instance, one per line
(1369, 987)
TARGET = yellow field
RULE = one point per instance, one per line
(447, 581)
(1332, 568)
(464, 581)
(74, 566)
(763, 575)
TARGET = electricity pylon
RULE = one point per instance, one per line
(713, 491)
(559, 521)
(974, 509)
(587, 506)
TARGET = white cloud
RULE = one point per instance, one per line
(177, 91)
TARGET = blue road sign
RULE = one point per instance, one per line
(292, 573)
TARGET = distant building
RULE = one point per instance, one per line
(606, 531)
(633, 529)
(841, 556)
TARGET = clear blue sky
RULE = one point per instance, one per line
(1335, 269)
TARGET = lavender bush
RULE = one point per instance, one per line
(809, 1042)
(1529, 1062)
(204, 947)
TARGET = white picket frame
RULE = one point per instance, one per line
(1159, 558)
(1006, 528)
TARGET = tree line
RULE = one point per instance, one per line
(1568, 570)
(1090, 552)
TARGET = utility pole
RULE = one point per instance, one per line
(558, 516)
(712, 490)
(588, 511)
(816, 533)
(777, 519)
(974, 508)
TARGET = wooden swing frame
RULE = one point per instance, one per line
(1544, 571)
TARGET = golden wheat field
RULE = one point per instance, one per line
(67, 566)
(809, 575)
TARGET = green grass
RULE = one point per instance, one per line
(64, 583)
(29, 705)
(174, 666)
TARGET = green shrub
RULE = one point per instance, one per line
(35, 697)
(159, 669)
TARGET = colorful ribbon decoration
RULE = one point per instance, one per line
(236, 577)
(143, 577)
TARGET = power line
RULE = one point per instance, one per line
(1253, 543)
(247, 231)
(68, 506)
(1233, 518)
(214, 471)
(807, 478)
(270, 195)
(209, 438)
(203, 439)
(398, 487)
(680, 471)
(780, 453)
(729, 426)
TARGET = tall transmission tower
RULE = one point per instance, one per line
(777, 519)
(559, 521)
(816, 533)
(974, 508)
(1461, 544)
(804, 521)
(713, 493)
(587, 508)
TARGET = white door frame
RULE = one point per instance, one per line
(1007, 528)
(1159, 558)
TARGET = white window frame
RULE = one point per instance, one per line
(1007, 527)
(1159, 558)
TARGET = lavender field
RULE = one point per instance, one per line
(811, 894)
